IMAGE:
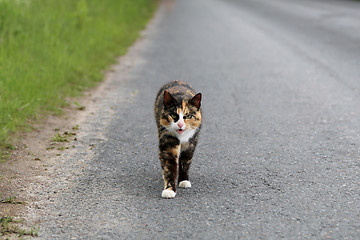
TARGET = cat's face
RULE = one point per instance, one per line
(181, 118)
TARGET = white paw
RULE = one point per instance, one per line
(167, 193)
(185, 184)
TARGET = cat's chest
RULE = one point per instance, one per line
(184, 138)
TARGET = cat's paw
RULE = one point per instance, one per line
(168, 193)
(185, 184)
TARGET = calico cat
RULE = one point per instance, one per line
(178, 118)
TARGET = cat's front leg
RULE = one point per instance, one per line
(184, 166)
(169, 157)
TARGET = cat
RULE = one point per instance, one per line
(178, 118)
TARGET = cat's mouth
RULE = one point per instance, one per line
(180, 131)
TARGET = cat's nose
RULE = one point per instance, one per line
(180, 124)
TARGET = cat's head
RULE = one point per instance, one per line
(181, 116)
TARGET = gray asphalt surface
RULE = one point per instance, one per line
(278, 155)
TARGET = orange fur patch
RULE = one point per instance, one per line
(174, 150)
(164, 122)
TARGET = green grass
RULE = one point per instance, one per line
(51, 49)
(8, 226)
(59, 138)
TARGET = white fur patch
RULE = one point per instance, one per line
(167, 193)
(186, 135)
(185, 184)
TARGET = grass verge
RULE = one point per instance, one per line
(51, 49)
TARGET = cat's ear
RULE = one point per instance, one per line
(196, 101)
(168, 99)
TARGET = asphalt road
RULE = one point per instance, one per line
(278, 155)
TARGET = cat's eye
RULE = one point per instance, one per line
(188, 116)
(174, 116)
